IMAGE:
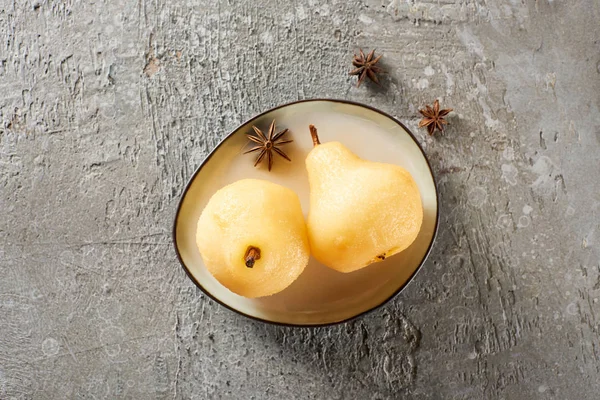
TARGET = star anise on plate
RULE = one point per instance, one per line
(267, 144)
(433, 117)
(365, 67)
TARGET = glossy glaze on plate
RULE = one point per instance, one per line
(320, 295)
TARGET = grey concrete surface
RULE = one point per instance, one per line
(107, 107)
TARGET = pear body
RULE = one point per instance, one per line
(258, 214)
(361, 212)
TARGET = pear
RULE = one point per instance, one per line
(361, 212)
(252, 237)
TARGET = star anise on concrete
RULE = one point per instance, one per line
(267, 144)
(433, 117)
(365, 67)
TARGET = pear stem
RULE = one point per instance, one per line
(315, 136)
(252, 254)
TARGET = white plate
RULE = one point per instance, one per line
(320, 296)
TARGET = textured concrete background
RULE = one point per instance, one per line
(107, 107)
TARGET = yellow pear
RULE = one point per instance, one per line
(361, 212)
(252, 237)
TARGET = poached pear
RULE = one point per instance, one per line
(361, 212)
(252, 237)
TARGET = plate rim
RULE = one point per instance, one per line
(295, 325)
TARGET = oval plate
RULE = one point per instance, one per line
(320, 296)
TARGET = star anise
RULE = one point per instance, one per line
(434, 117)
(267, 144)
(365, 67)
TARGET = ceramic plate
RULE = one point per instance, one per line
(320, 296)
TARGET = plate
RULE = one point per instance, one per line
(320, 296)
